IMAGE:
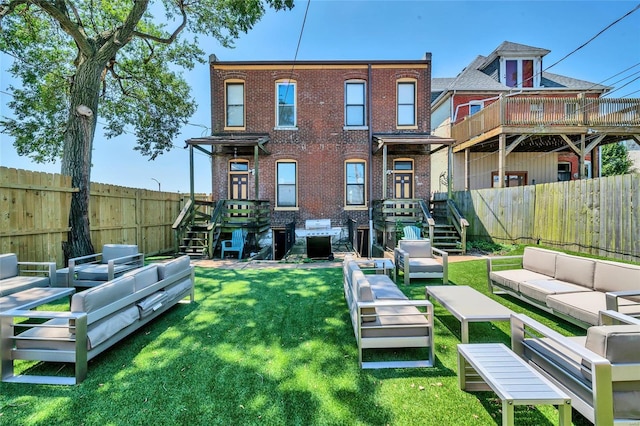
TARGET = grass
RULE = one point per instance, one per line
(271, 347)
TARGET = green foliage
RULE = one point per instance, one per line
(615, 160)
(136, 76)
(489, 247)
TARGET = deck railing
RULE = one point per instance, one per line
(520, 111)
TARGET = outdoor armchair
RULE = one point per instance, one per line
(416, 259)
(412, 233)
(113, 261)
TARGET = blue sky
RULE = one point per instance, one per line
(454, 32)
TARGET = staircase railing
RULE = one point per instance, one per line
(428, 218)
(214, 221)
(459, 222)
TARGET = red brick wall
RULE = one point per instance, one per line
(320, 145)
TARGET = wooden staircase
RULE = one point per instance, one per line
(445, 234)
(195, 242)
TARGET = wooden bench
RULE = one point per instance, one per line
(493, 366)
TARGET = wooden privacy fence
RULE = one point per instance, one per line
(34, 219)
(596, 216)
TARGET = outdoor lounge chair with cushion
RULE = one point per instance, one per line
(416, 259)
(235, 244)
(113, 261)
(412, 233)
(18, 276)
(600, 372)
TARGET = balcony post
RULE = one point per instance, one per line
(384, 171)
(582, 155)
(502, 154)
(256, 173)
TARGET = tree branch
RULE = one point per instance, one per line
(8, 8)
(58, 12)
(173, 36)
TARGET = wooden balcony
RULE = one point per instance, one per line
(545, 124)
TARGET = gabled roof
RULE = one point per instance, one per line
(474, 79)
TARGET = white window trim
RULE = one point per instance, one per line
(295, 106)
(244, 105)
(287, 208)
(537, 71)
(363, 206)
(415, 103)
(359, 126)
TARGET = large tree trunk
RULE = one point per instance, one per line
(76, 158)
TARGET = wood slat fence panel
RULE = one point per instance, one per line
(34, 215)
(596, 216)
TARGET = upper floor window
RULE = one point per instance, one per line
(519, 73)
(234, 95)
(355, 183)
(406, 103)
(286, 177)
(286, 104)
(354, 103)
(475, 106)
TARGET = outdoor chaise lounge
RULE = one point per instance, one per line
(600, 372)
(416, 259)
(112, 262)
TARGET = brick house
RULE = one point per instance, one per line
(319, 139)
(516, 124)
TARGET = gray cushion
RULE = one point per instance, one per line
(540, 289)
(102, 330)
(177, 289)
(102, 295)
(424, 264)
(144, 277)
(114, 251)
(584, 306)
(173, 267)
(539, 260)
(619, 344)
(511, 278)
(152, 303)
(576, 270)
(416, 248)
(100, 272)
(383, 288)
(612, 276)
(8, 265)
(397, 321)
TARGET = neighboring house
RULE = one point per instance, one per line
(516, 124)
(317, 140)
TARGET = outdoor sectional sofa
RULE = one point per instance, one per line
(571, 287)
(98, 318)
(383, 317)
(599, 371)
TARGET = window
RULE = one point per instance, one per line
(475, 106)
(520, 73)
(510, 179)
(564, 172)
(235, 104)
(406, 104)
(354, 108)
(286, 184)
(286, 104)
(355, 183)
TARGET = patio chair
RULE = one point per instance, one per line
(412, 232)
(235, 244)
(416, 259)
(114, 260)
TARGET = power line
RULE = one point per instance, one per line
(593, 38)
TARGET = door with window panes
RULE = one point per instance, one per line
(402, 182)
(238, 183)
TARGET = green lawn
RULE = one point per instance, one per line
(276, 347)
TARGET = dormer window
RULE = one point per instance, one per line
(519, 73)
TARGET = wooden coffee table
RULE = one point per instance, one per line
(468, 305)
